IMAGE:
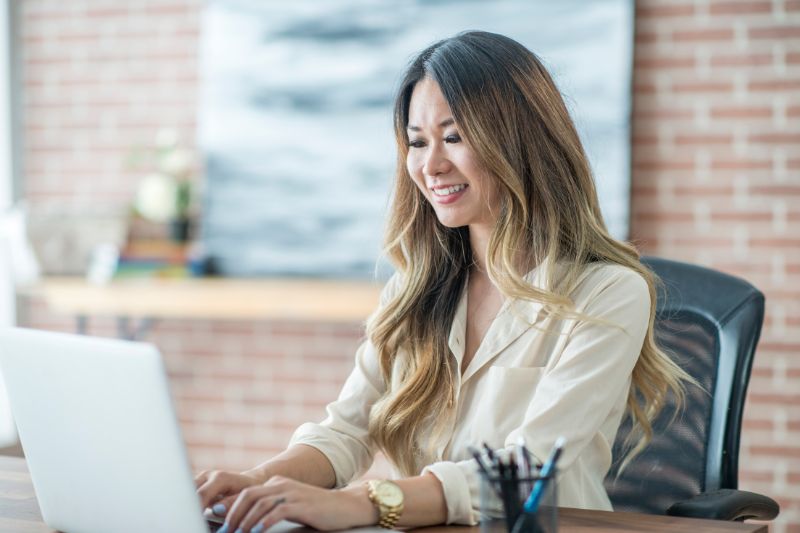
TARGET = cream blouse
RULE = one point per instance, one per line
(532, 375)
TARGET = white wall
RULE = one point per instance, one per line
(8, 435)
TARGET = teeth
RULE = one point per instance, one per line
(444, 191)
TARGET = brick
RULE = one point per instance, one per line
(663, 62)
(740, 216)
(664, 114)
(704, 242)
(695, 139)
(703, 35)
(702, 87)
(775, 138)
(703, 190)
(740, 112)
(663, 164)
(741, 60)
(643, 37)
(778, 190)
(732, 163)
(776, 451)
(739, 8)
(752, 475)
(661, 11)
(774, 85)
(775, 32)
(665, 217)
(107, 12)
(644, 140)
(644, 88)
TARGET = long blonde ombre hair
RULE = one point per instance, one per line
(511, 114)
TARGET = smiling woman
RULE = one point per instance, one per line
(513, 315)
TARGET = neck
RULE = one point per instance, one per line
(479, 243)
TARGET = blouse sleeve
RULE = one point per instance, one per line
(578, 390)
(343, 436)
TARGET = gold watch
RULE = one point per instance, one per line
(387, 497)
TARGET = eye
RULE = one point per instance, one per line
(416, 143)
(454, 138)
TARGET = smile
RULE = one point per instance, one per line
(448, 194)
(445, 191)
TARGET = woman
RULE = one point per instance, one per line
(513, 313)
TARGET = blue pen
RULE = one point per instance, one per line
(527, 519)
(532, 503)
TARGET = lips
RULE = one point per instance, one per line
(447, 194)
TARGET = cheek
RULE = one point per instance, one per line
(414, 171)
(412, 164)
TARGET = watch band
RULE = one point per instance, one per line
(388, 515)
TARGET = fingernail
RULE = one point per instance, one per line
(238, 530)
(219, 509)
(223, 529)
(258, 528)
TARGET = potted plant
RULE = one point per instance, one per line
(165, 194)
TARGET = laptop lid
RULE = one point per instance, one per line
(102, 442)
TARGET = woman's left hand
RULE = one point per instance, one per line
(258, 508)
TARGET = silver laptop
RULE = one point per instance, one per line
(100, 435)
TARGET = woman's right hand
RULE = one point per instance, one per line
(218, 489)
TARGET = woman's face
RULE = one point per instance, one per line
(443, 166)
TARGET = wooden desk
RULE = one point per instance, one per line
(19, 513)
(149, 299)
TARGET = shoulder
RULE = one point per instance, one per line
(605, 284)
(612, 275)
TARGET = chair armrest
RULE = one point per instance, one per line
(727, 504)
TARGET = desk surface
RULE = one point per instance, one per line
(213, 298)
(19, 513)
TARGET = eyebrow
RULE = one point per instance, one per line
(443, 124)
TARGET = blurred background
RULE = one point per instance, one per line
(120, 161)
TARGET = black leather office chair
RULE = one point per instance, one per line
(709, 322)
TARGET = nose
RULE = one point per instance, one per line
(436, 162)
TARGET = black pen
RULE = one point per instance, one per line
(524, 462)
(477, 455)
(490, 454)
(514, 486)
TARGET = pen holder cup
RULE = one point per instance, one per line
(502, 502)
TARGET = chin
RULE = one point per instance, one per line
(450, 222)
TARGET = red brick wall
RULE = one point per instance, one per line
(100, 78)
(716, 181)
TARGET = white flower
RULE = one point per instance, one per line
(156, 197)
(177, 163)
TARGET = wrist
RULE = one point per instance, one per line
(363, 511)
(262, 472)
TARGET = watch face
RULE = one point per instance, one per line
(389, 494)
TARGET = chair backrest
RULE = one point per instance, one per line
(709, 322)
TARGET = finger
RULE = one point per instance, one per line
(223, 505)
(260, 510)
(216, 487)
(284, 511)
(245, 500)
(201, 478)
